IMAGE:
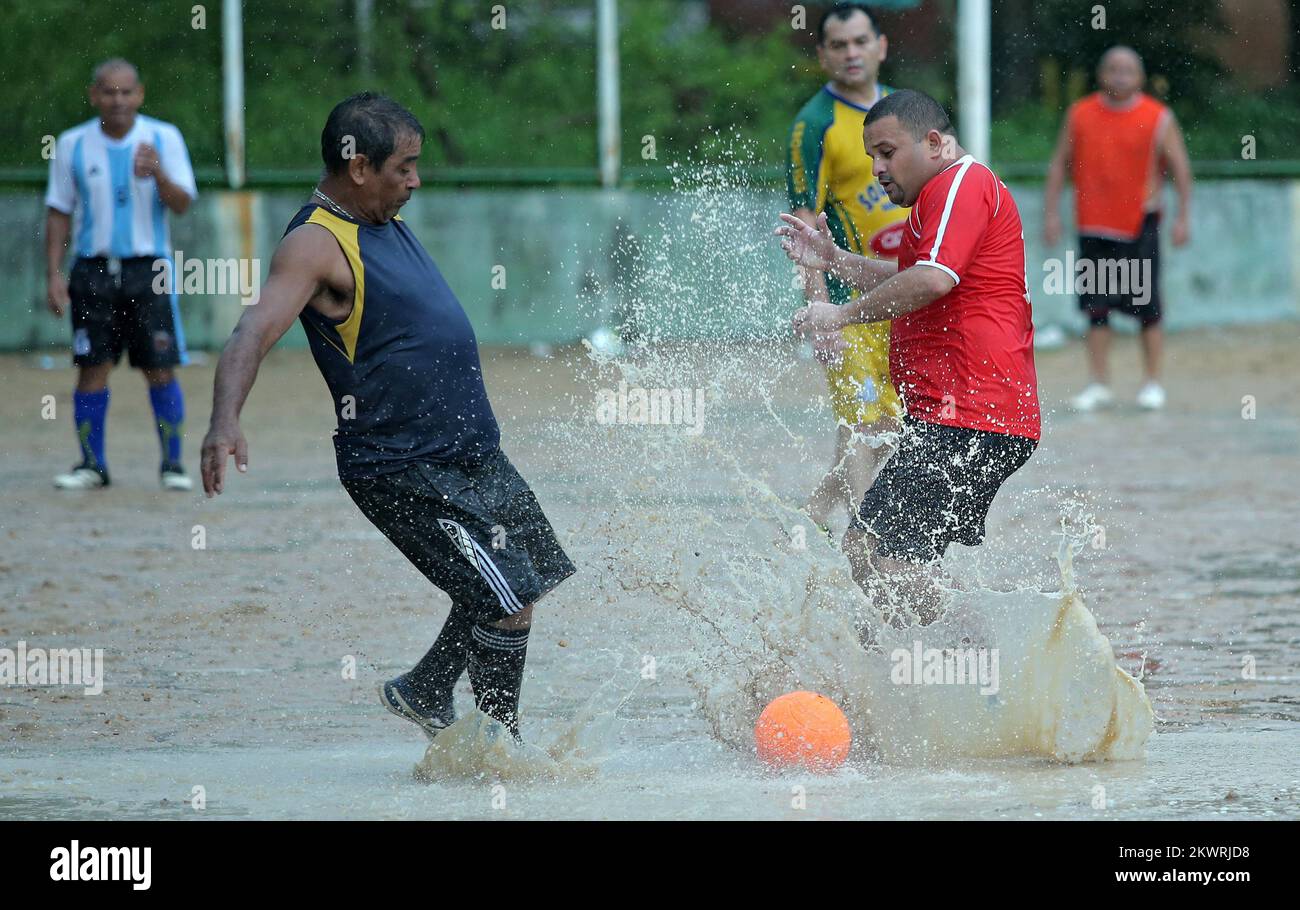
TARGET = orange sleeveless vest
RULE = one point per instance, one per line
(1115, 164)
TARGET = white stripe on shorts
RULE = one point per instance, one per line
(470, 549)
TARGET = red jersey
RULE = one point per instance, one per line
(967, 359)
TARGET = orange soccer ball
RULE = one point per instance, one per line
(803, 730)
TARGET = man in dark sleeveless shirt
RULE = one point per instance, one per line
(417, 444)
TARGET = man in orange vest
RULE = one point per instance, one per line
(1118, 143)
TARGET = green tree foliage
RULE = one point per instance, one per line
(522, 96)
(1215, 112)
(525, 96)
(49, 49)
(1165, 34)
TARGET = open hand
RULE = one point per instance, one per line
(812, 248)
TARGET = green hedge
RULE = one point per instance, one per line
(509, 102)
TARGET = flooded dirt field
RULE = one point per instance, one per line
(226, 666)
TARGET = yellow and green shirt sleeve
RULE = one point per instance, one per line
(808, 175)
(805, 175)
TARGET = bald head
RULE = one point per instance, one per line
(116, 68)
(1120, 73)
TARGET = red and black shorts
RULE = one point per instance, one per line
(115, 307)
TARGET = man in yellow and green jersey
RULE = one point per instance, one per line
(828, 170)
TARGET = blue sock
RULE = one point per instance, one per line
(169, 408)
(89, 410)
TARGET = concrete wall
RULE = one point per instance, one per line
(696, 260)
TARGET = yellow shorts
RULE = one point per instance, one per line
(859, 384)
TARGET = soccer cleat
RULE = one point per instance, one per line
(1151, 397)
(83, 477)
(173, 477)
(1091, 398)
(432, 713)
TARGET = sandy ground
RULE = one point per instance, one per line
(225, 665)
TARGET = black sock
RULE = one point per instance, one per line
(496, 670)
(438, 670)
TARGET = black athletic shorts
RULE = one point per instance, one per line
(1142, 254)
(112, 311)
(474, 529)
(937, 488)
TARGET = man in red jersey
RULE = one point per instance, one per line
(961, 348)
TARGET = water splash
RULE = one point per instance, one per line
(694, 521)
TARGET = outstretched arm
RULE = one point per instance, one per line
(298, 271)
(907, 291)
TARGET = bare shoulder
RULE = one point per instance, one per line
(310, 251)
(309, 256)
(307, 247)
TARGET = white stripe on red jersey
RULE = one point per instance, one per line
(967, 359)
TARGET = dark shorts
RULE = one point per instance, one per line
(473, 529)
(111, 312)
(937, 489)
(1143, 256)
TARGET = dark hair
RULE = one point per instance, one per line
(374, 121)
(843, 11)
(917, 111)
